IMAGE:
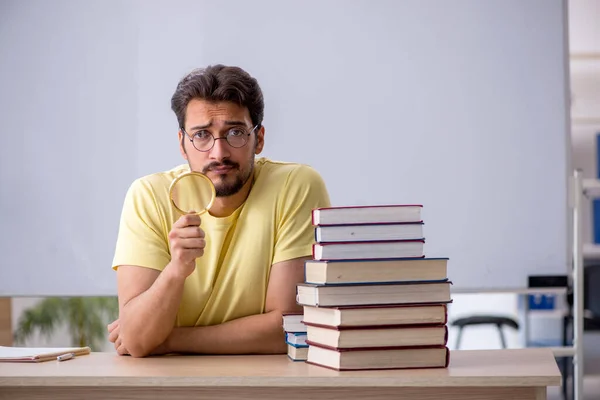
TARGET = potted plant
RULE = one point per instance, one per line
(86, 319)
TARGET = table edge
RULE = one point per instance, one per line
(158, 381)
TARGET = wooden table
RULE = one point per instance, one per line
(472, 374)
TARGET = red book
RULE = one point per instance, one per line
(378, 358)
(369, 250)
(374, 214)
(374, 293)
(349, 337)
(377, 314)
(369, 232)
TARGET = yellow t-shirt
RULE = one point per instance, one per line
(230, 280)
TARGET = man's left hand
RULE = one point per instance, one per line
(113, 337)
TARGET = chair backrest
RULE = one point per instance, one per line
(592, 289)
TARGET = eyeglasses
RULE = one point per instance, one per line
(204, 140)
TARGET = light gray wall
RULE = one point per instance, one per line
(68, 108)
(459, 106)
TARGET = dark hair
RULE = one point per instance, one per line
(217, 83)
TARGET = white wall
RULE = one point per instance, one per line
(584, 32)
(584, 21)
(446, 92)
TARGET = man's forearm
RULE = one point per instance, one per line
(148, 319)
(255, 334)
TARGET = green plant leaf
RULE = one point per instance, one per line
(85, 318)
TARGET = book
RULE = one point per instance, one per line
(292, 322)
(297, 352)
(378, 358)
(368, 250)
(377, 336)
(295, 338)
(366, 214)
(373, 293)
(595, 200)
(369, 232)
(373, 315)
(381, 270)
(370, 297)
(38, 354)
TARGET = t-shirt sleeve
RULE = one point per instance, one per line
(141, 239)
(304, 191)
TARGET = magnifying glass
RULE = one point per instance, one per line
(192, 192)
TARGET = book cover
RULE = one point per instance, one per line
(368, 250)
(383, 269)
(374, 336)
(415, 357)
(373, 293)
(368, 232)
(367, 214)
(377, 314)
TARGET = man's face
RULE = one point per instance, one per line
(228, 167)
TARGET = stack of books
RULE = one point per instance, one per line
(295, 336)
(371, 298)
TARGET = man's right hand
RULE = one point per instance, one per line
(186, 241)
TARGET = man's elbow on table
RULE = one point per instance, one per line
(276, 341)
(136, 345)
(138, 351)
(281, 347)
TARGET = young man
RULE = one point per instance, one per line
(218, 283)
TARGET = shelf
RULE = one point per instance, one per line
(584, 56)
(585, 121)
(591, 251)
(591, 187)
(546, 313)
(548, 290)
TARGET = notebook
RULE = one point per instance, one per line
(38, 354)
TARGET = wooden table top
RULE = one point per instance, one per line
(512, 367)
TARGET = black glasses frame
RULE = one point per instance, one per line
(226, 138)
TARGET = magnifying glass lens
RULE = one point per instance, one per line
(192, 192)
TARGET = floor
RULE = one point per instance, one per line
(591, 389)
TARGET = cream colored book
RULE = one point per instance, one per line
(297, 353)
(38, 354)
(374, 293)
